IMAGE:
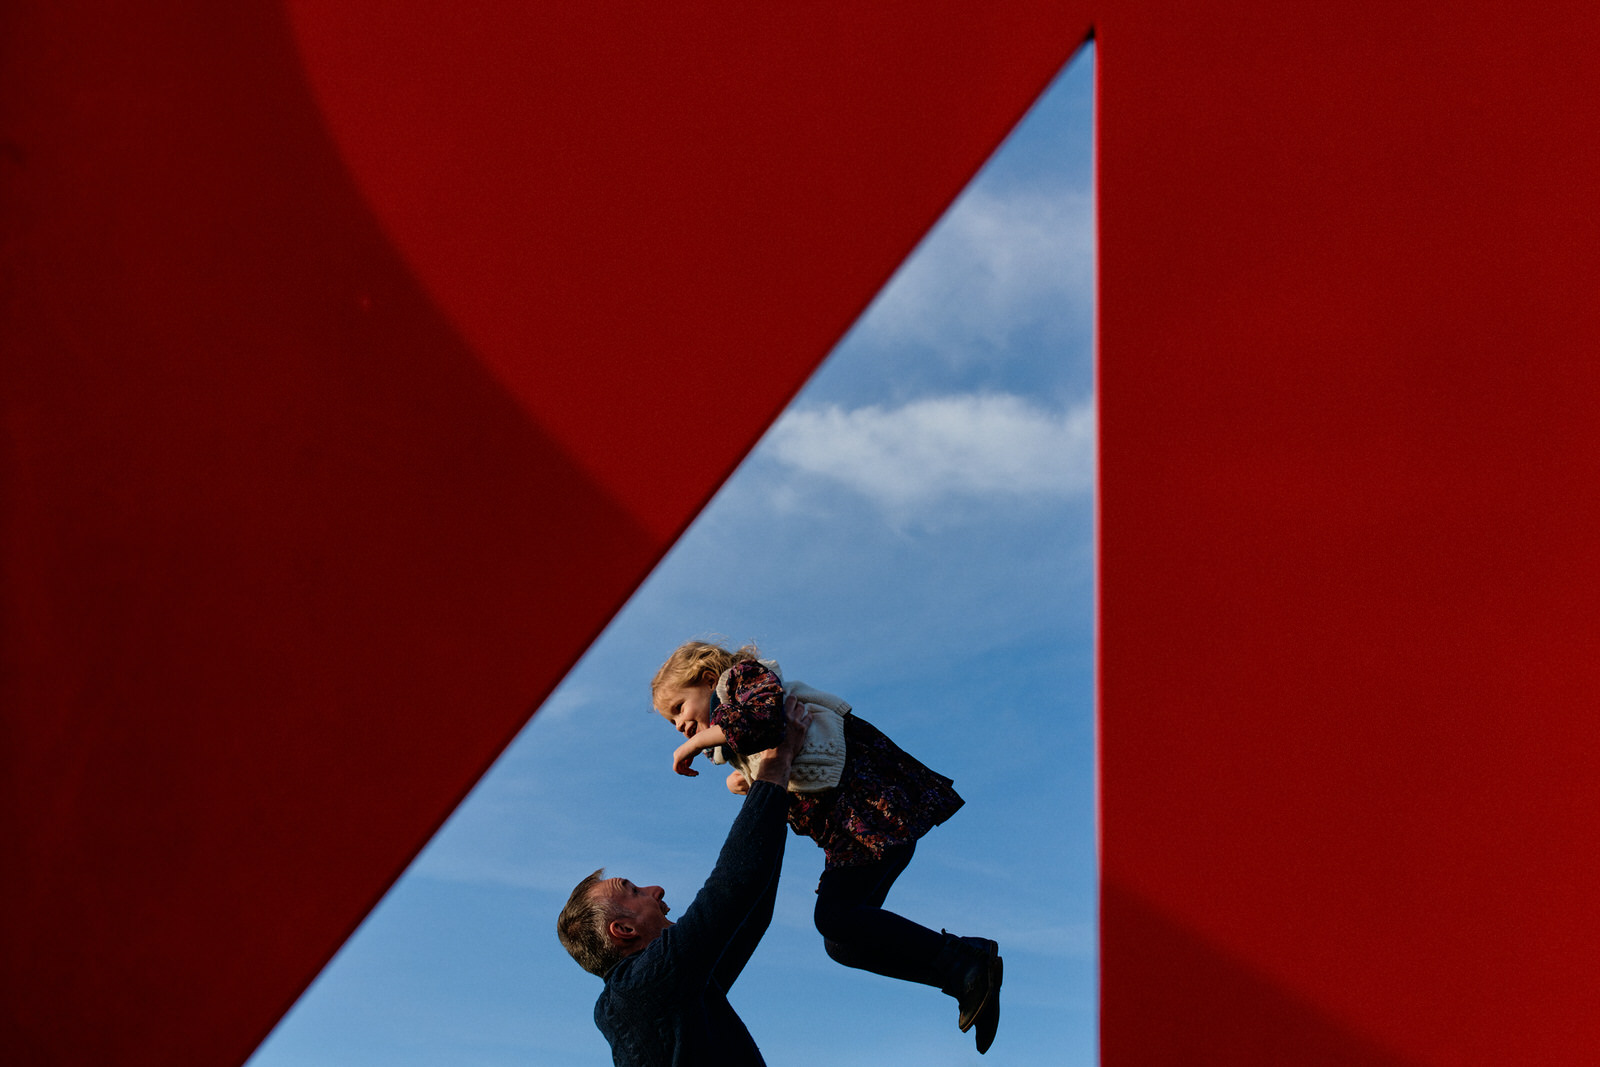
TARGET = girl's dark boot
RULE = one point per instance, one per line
(970, 969)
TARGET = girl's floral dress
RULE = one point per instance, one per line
(884, 798)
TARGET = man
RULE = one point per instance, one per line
(666, 994)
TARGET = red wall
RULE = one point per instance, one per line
(340, 344)
(1350, 309)
(342, 349)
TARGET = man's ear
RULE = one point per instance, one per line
(621, 931)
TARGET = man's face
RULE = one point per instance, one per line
(639, 913)
(688, 708)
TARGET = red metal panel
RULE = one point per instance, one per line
(340, 350)
(319, 470)
(1350, 275)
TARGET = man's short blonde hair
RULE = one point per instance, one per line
(581, 927)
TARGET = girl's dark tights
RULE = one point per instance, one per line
(858, 932)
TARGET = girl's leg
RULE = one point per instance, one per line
(858, 932)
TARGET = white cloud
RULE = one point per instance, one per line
(938, 448)
(996, 264)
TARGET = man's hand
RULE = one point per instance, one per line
(737, 785)
(773, 764)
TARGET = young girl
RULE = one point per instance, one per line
(852, 791)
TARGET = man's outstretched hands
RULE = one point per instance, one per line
(773, 764)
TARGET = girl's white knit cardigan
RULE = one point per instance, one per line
(820, 763)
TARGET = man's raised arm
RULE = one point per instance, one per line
(731, 912)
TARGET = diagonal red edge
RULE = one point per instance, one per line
(303, 461)
(320, 473)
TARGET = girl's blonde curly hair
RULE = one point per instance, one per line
(689, 662)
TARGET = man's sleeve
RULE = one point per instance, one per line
(747, 937)
(744, 879)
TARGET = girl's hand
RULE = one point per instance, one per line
(737, 784)
(681, 757)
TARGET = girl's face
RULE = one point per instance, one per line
(687, 708)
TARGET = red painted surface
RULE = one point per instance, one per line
(339, 348)
(1350, 278)
(333, 434)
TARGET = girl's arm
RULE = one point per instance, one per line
(752, 716)
(710, 737)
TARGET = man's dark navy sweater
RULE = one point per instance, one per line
(668, 1004)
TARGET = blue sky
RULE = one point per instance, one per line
(915, 534)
